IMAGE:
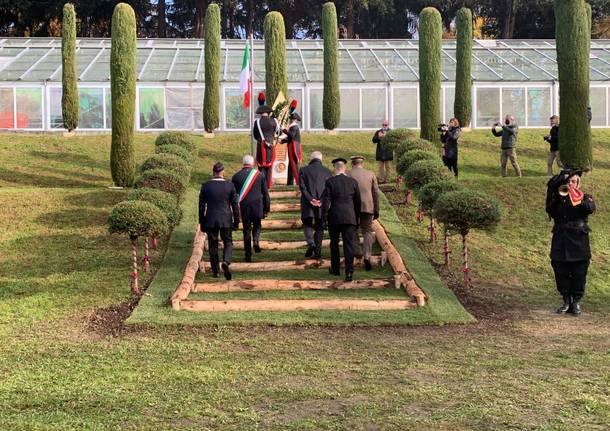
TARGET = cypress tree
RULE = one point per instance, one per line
(331, 102)
(462, 105)
(276, 79)
(69, 94)
(211, 98)
(430, 36)
(573, 34)
(123, 89)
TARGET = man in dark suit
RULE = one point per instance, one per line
(341, 204)
(254, 203)
(264, 131)
(312, 179)
(218, 213)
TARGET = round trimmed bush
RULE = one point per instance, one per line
(137, 218)
(171, 162)
(166, 202)
(429, 194)
(411, 144)
(393, 138)
(463, 210)
(162, 179)
(425, 171)
(407, 159)
(181, 139)
(177, 150)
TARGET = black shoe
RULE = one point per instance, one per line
(310, 251)
(215, 274)
(367, 265)
(257, 248)
(333, 272)
(575, 308)
(349, 277)
(566, 305)
(226, 270)
(317, 256)
(248, 258)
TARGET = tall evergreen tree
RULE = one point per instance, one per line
(430, 39)
(462, 105)
(70, 109)
(123, 90)
(573, 35)
(276, 79)
(211, 98)
(331, 104)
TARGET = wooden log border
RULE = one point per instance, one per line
(190, 272)
(237, 305)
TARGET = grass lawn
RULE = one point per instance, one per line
(66, 363)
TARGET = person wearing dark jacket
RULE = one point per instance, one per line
(264, 131)
(254, 203)
(570, 254)
(384, 156)
(341, 205)
(218, 214)
(312, 179)
(449, 143)
(295, 151)
(509, 134)
(553, 139)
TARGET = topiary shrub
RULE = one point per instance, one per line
(276, 79)
(407, 159)
(136, 219)
(170, 162)
(425, 171)
(462, 105)
(181, 139)
(211, 98)
(464, 210)
(427, 198)
(430, 45)
(70, 108)
(123, 91)
(393, 138)
(162, 179)
(331, 99)
(166, 202)
(414, 143)
(176, 150)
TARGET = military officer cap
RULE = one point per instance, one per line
(357, 158)
(263, 110)
(339, 159)
(218, 167)
(295, 116)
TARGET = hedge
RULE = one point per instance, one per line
(407, 159)
(162, 179)
(331, 99)
(462, 104)
(137, 219)
(177, 150)
(211, 98)
(429, 194)
(430, 41)
(411, 144)
(177, 138)
(170, 162)
(393, 138)
(70, 108)
(166, 202)
(425, 171)
(276, 79)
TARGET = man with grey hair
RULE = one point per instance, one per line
(509, 134)
(311, 183)
(253, 201)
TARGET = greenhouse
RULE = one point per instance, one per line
(379, 79)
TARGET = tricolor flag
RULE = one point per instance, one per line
(245, 79)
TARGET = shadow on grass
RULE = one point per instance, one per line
(71, 159)
(31, 179)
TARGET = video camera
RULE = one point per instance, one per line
(443, 127)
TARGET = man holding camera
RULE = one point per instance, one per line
(509, 142)
(553, 139)
(449, 144)
(384, 156)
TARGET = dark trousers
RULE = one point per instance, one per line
(293, 167)
(227, 239)
(267, 173)
(451, 163)
(313, 228)
(252, 230)
(571, 277)
(347, 232)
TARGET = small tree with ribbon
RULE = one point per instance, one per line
(464, 210)
(421, 173)
(177, 150)
(163, 179)
(136, 219)
(181, 139)
(170, 162)
(407, 159)
(411, 144)
(428, 195)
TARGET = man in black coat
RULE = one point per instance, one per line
(265, 130)
(449, 144)
(553, 139)
(218, 214)
(570, 250)
(384, 156)
(295, 151)
(254, 204)
(341, 206)
(312, 179)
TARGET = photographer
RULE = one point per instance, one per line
(383, 156)
(449, 143)
(509, 142)
(553, 139)
(569, 208)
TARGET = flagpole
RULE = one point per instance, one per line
(252, 144)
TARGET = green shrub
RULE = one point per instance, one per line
(181, 139)
(573, 34)
(462, 104)
(429, 193)
(162, 179)
(211, 98)
(425, 171)
(430, 44)
(463, 210)
(167, 161)
(177, 150)
(166, 202)
(407, 159)
(331, 99)
(123, 90)
(411, 144)
(70, 108)
(136, 219)
(276, 79)
(393, 138)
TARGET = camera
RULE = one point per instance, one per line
(442, 127)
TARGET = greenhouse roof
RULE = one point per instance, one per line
(181, 60)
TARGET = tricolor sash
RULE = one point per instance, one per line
(247, 186)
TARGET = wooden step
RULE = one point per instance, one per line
(285, 207)
(264, 285)
(277, 245)
(295, 305)
(292, 265)
(284, 194)
(281, 224)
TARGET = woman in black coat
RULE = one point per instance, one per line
(569, 208)
(449, 141)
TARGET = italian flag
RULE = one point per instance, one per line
(245, 79)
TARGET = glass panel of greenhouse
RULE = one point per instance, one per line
(378, 81)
